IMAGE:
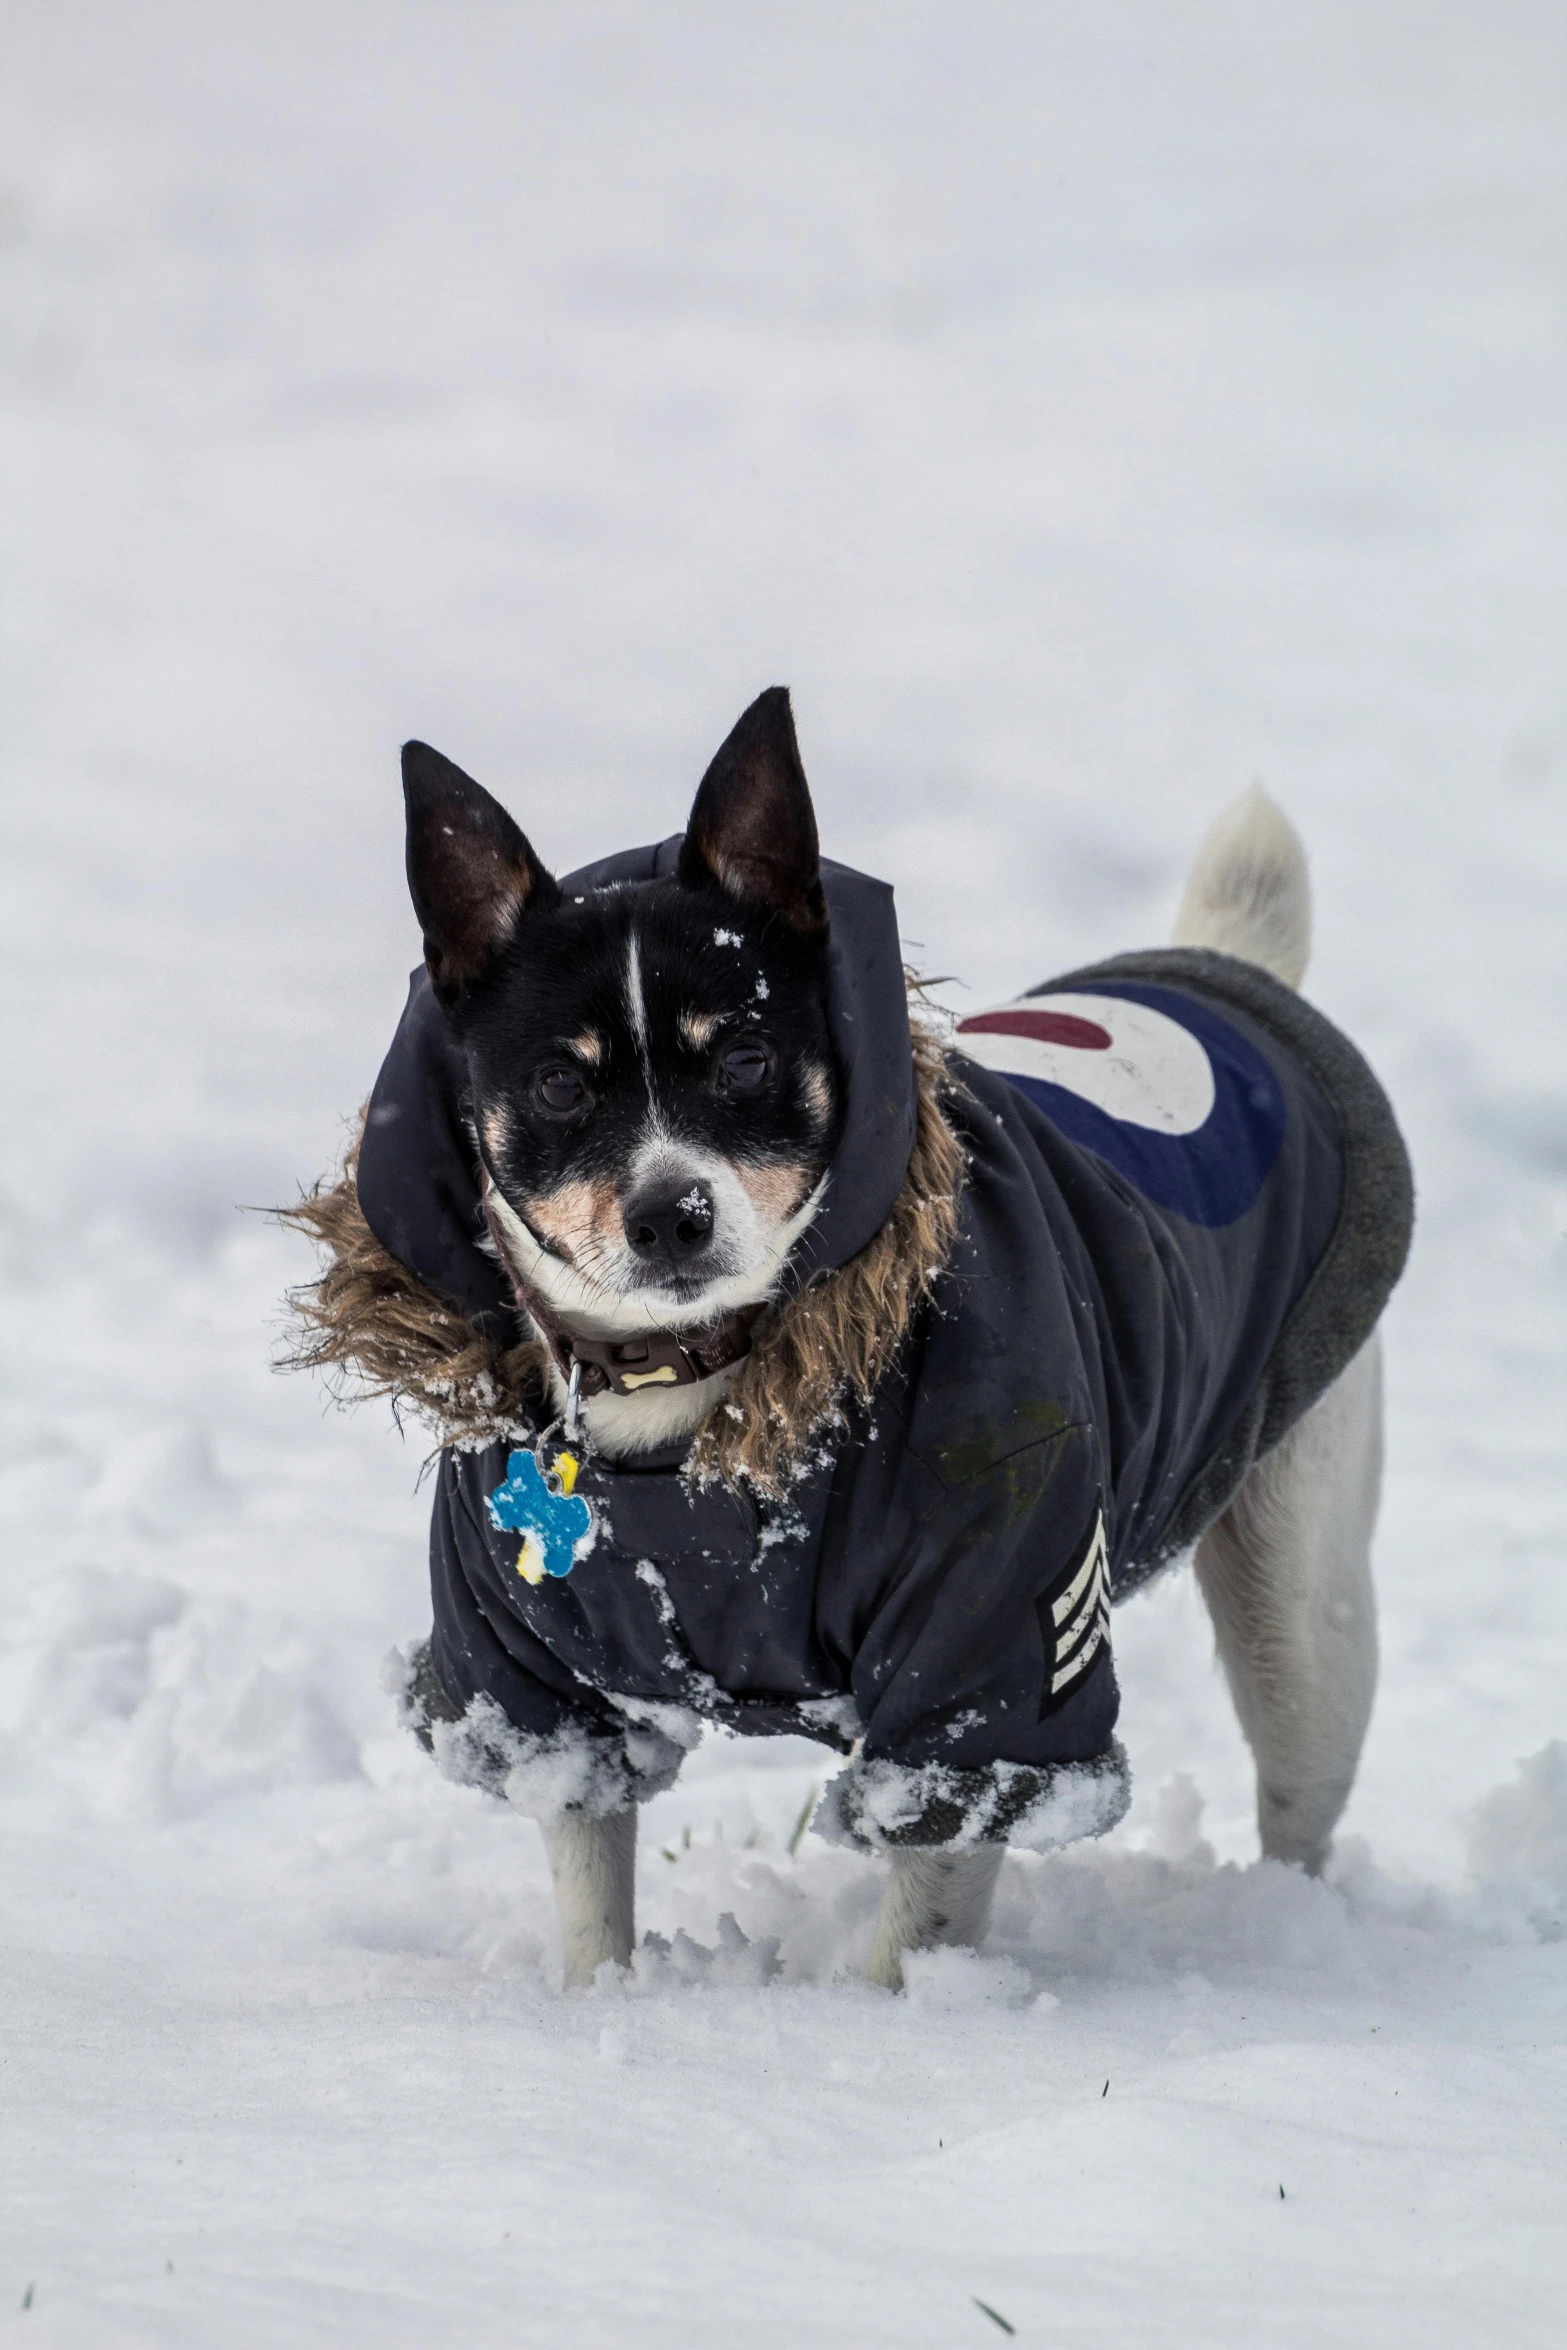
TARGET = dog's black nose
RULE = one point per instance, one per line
(670, 1223)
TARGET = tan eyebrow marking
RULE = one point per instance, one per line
(698, 1029)
(589, 1047)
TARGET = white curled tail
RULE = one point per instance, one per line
(1249, 893)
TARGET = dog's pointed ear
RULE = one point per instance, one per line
(752, 827)
(471, 872)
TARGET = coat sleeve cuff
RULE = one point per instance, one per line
(575, 1767)
(886, 1806)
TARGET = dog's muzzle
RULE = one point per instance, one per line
(644, 1358)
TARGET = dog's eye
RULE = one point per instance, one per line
(560, 1089)
(746, 1065)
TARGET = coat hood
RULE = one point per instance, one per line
(418, 1167)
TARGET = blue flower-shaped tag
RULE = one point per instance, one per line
(555, 1523)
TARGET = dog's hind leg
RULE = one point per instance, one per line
(593, 1861)
(935, 1897)
(1286, 1573)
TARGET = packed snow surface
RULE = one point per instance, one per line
(1086, 411)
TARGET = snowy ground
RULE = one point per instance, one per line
(1084, 409)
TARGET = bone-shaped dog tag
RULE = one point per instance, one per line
(543, 1506)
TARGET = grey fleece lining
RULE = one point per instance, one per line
(1340, 1305)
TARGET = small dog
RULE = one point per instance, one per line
(800, 1369)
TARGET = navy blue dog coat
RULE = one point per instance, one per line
(1185, 1206)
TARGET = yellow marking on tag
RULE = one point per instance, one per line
(566, 1471)
(665, 1376)
(530, 1559)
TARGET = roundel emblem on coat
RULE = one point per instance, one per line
(1130, 1061)
(1160, 1084)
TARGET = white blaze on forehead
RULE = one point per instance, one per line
(636, 1005)
(636, 1008)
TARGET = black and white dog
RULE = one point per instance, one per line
(803, 1370)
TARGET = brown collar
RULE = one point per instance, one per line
(647, 1358)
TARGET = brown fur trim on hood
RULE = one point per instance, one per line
(380, 1331)
(375, 1329)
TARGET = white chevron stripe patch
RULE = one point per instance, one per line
(1079, 1618)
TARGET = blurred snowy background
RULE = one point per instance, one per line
(1085, 410)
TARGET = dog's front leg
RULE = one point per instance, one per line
(935, 1897)
(593, 1860)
